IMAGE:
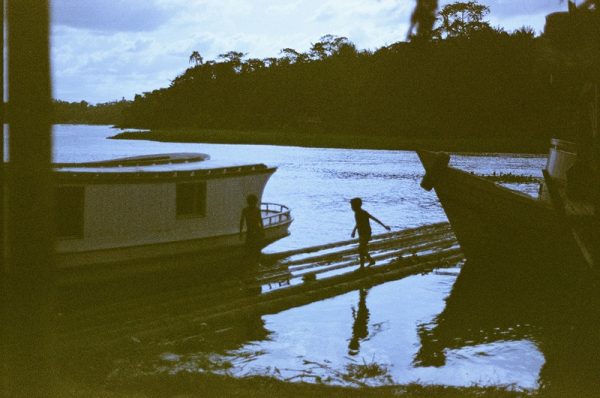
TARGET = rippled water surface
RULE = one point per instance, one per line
(368, 337)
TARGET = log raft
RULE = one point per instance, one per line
(174, 310)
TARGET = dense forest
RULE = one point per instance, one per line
(85, 113)
(469, 80)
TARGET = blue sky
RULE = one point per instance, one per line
(104, 50)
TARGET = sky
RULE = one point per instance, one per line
(106, 50)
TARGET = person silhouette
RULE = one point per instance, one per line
(252, 219)
(360, 327)
(364, 230)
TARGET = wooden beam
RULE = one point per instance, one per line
(30, 230)
(3, 296)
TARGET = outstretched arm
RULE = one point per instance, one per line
(379, 222)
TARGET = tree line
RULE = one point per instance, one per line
(467, 79)
(85, 113)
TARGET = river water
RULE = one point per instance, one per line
(388, 334)
(316, 183)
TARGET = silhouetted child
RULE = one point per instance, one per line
(252, 218)
(364, 230)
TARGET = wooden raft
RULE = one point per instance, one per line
(290, 279)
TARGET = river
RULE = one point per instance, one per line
(316, 183)
(388, 334)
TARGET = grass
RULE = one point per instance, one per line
(192, 385)
(514, 144)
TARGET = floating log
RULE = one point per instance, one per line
(293, 278)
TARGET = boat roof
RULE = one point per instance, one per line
(157, 166)
(143, 160)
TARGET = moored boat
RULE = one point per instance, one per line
(492, 222)
(562, 226)
(132, 210)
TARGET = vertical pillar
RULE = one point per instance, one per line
(3, 298)
(29, 251)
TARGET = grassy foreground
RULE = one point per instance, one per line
(291, 138)
(188, 385)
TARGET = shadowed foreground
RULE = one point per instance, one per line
(208, 385)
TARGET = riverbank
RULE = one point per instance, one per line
(188, 385)
(314, 140)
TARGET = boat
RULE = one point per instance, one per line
(157, 207)
(495, 223)
(569, 184)
(562, 225)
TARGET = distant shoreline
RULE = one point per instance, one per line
(315, 140)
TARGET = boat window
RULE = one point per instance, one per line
(191, 199)
(69, 211)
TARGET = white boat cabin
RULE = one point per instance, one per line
(156, 205)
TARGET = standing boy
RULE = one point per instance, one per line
(364, 230)
(252, 217)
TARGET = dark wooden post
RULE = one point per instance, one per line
(3, 297)
(30, 247)
(2, 179)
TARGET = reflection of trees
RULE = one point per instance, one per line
(360, 327)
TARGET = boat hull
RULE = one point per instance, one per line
(495, 223)
(153, 212)
(199, 254)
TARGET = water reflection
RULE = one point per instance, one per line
(481, 309)
(487, 311)
(479, 327)
(360, 327)
(306, 343)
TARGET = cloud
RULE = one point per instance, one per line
(100, 68)
(110, 15)
(520, 8)
(513, 14)
(501, 10)
(107, 49)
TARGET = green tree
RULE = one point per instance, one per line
(329, 45)
(233, 58)
(253, 65)
(292, 56)
(524, 32)
(196, 58)
(462, 19)
(270, 61)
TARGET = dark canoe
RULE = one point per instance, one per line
(494, 223)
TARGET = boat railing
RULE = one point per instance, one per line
(273, 213)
